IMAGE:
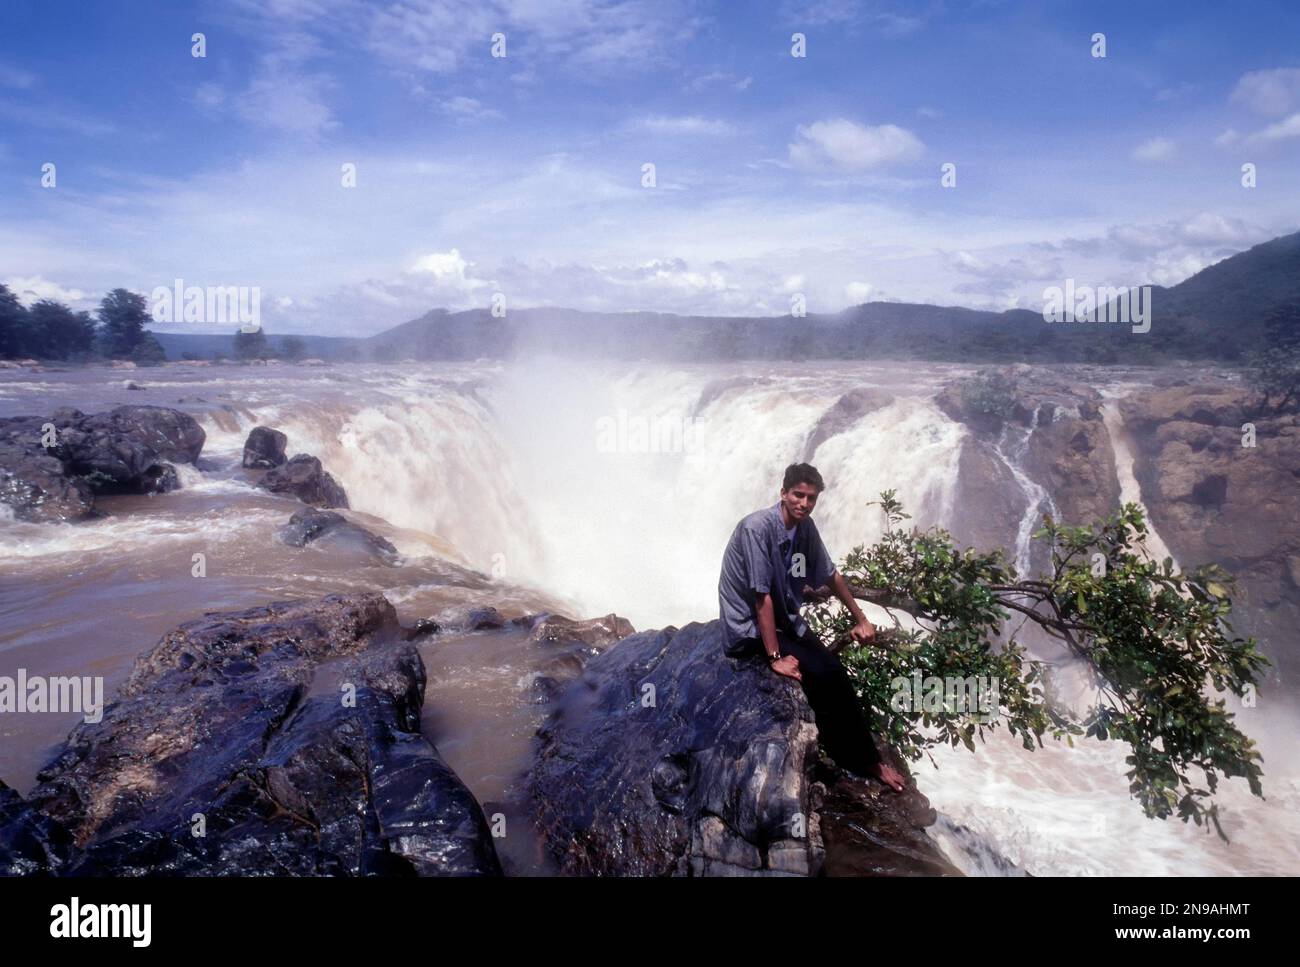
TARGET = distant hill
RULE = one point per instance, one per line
(1217, 314)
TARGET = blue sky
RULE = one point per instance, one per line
(523, 175)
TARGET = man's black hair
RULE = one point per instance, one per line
(798, 473)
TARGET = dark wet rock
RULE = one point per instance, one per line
(477, 619)
(31, 844)
(309, 526)
(668, 758)
(870, 831)
(131, 385)
(35, 483)
(424, 627)
(161, 478)
(126, 441)
(292, 730)
(304, 478)
(126, 450)
(264, 447)
(571, 644)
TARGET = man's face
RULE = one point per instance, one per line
(799, 500)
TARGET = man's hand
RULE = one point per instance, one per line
(788, 665)
(863, 631)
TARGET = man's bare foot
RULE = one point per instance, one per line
(889, 776)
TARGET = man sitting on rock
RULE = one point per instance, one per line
(772, 554)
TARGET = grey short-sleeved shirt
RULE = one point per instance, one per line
(756, 561)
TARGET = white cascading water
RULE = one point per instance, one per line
(511, 474)
(1012, 444)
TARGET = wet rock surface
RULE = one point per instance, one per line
(304, 478)
(668, 758)
(264, 447)
(280, 740)
(325, 526)
(129, 449)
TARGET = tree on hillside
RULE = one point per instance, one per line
(1274, 371)
(1152, 639)
(56, 332)
(251, 345)
(293, 348)
(14, 325)
(123, 315)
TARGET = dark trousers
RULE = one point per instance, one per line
(845, 732)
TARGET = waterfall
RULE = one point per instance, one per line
(1011, 447)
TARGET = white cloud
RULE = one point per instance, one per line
(857, 292)
(848, 146)
(1227, 137)
(1171, 269)
(1269, 92)
(720, 79)
(685, 126)
(34, 288)
(1155, 149)
(1289, 128)
(444, 266)
(467, 109)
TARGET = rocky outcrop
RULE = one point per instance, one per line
(1213, 498)
(848, 409)
(668, 758)
(1047, 425)
(570, 645)
(310, 526)
(127, 450)
(31, 844)
(304, 478)
(277, 740)
(264, 447)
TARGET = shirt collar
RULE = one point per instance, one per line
(780, 522)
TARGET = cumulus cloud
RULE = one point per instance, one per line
(845, 145)
(34, 288)
(1155, 149)
(857, 292)
(1269, 92)
(467, 110)
(1288, 128)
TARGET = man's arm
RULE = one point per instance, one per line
(766, 613)
(863, 629)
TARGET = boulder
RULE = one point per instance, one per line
(666, 757)
(309, 526)
(126, 450)
(304, 478)
(287, 735)
(264, 447)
